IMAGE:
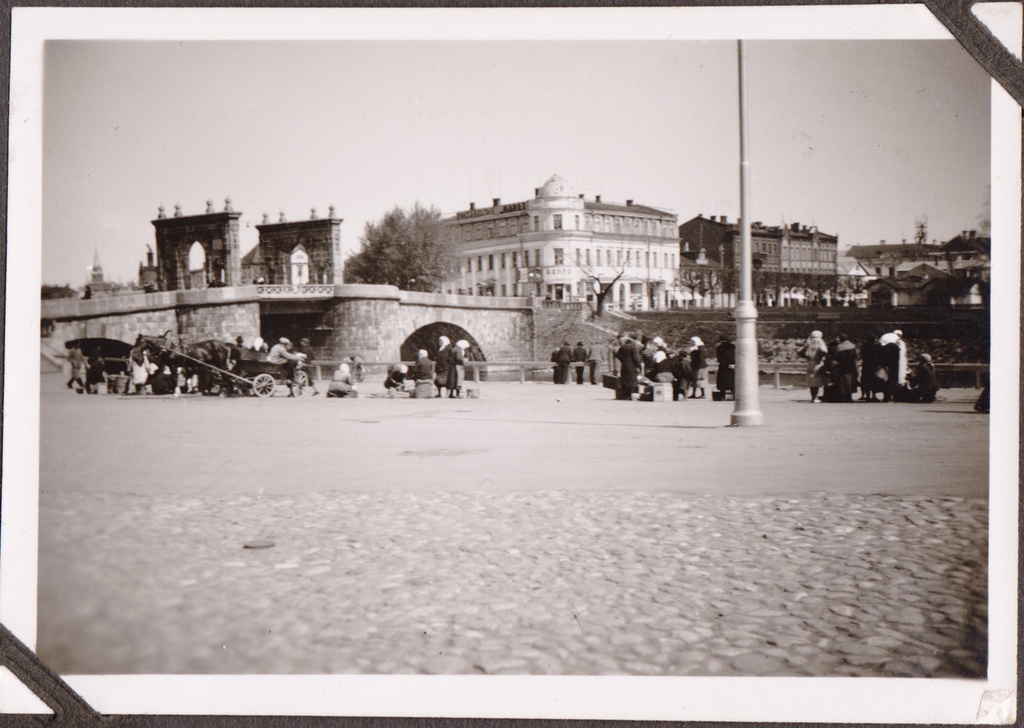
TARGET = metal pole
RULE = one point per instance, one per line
(746, 413)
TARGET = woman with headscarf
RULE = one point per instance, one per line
(814, 351)
(903, 368)
(423, 375)
(395, 382)
(661, 371)
(444, 351)
(341, 382)
(845, 371)
(456, 368)
(699, 367)
(889, 358)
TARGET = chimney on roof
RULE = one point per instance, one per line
(597, 198)
(723, 218)
(972, 233)
(629, 203)
(497, 201)
(472, 205)
(536, 191)
(795, 227)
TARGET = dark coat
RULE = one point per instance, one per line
(629, 366)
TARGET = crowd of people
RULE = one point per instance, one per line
(884, 370)
(637, 363)
(835, 371)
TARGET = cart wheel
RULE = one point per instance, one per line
(301, 379)
(263, 385)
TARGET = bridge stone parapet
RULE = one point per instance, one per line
(376, 321)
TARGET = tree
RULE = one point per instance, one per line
(413, 250)
(603, 289)
(53, 293)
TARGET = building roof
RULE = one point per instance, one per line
(899, 251)
(252, 257)
(966, 244)
(612, 207)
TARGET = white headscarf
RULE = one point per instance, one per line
(696, 341)
(421, 354)
(888, 339)
(257, 342)
(659, 356)
(343, 368)
(462, 344)
(445, 341)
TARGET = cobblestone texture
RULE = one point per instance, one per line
(544, 583)
(416, 536)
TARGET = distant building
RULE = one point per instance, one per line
(775, 252)
(97, 287)
(559, 245)
(955, 273)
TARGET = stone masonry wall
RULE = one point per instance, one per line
(502, 334)
(201, 323)
(123, 327)
(368, 327)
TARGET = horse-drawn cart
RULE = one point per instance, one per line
(251, 373)
(262, 377)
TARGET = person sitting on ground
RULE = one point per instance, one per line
(395, 382)
(922, 384)
(162, 381)
(341, 383)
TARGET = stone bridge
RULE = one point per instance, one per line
(380, 323)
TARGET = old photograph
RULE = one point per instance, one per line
(651, 356)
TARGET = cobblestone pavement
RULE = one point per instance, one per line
(803, 572)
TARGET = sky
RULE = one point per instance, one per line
(860, 138)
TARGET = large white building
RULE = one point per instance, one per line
(560, 246)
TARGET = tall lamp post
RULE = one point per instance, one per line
(747, 411)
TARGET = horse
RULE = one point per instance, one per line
(164, 350)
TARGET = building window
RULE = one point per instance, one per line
(558, 221)
(536, 222)
(503, 261)
(490, 262)
(588, 256)
(480, 262)
(515, 260)
(597, 255)
(618, 257)
(579, 254)
(654, 264)
(504, 289)
(469, 265)
(577, 222)
(559, 256)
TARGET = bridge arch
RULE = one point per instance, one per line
(426, 337)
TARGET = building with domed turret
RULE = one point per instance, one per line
(560, 246)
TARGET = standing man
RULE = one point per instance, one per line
(595, 355)
(580, 355)
(76, 360)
